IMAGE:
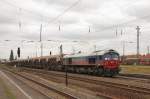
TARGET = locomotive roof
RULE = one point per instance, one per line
(90, 54)
(102, 52)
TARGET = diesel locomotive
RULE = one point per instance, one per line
(103, 63)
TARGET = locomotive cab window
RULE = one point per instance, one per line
(111, 56)
(115, 56)
(92, 60)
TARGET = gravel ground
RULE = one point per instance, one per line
(5, 92)
(14, 92)
(102, 89)
(82, 86)
(129, 82)
(58, 86)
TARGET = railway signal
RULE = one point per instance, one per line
(18, 52)
(50, 53)
(66, 69)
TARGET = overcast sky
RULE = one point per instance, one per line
(20, 22)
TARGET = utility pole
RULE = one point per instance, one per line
(138, 32)
(116, 32)
(123, 48)
(123, 51)
(61, 51)
(121, 32)
(147, 49)
(89, 29)
(95, 48)
(138, 46)
(41, 40)
(96, 54)
(36, 51)
(73, 50)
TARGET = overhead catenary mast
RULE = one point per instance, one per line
(116, 32)
(147, 49)
(138, 45)
(121, 32)
(89, 29)
(41, 40)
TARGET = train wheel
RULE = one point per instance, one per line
(100, 71)
(86, 70)
(89, 71)
(108, 74)
(96, 71)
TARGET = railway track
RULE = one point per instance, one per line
(63, 93)
(24, 83)
(142, 76)
(139, 91)
(104, 88)
(134, 79)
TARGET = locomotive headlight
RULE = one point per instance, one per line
(106, 58)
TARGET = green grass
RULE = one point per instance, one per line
(7, 90)
(139, 69)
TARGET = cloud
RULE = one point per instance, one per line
(102, 16)
(139, 10)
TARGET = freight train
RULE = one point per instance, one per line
(103, 63)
